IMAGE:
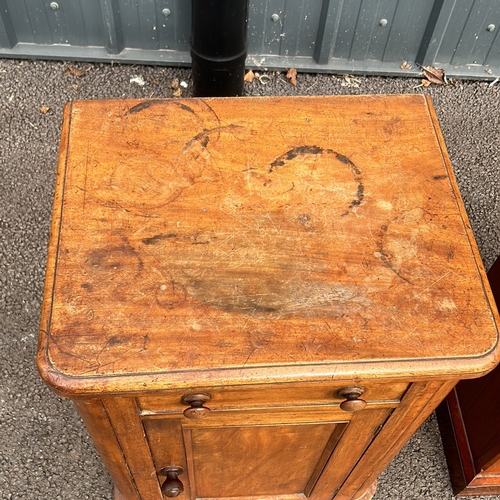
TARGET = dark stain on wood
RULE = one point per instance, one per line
(202, 138)
(114, 257)
(159, 237)
(116, 340)
(141, 106)
(151, 102)
(305, 220)
(293, 153)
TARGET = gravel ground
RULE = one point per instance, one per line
(45, 453)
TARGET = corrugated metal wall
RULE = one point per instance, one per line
(353, 36)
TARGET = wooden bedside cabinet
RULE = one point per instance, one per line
(259, 298)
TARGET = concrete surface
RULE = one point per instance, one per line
(45, 453)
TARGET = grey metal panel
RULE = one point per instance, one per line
(476, 40)
(493, 58)
(140, 24)
(437, 25)
(69, 15)
(166, 24)
(454, 28)
(327, 30)
(148, 23)
(92, 22)
(111, 16)
(129, 19)
(300, 24)
(174, 26)
(339, 36)
(407, 30)
(4, 39)
(38, 21)
(273, 30)
(257, 13)
(8, 37)
(183, 20)
(311, 13)
(20, 20)
(346, 29)
(372, 29)
(56, 23)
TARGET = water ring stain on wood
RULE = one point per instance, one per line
(305, 150)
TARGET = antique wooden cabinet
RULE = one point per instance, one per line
(259, 298)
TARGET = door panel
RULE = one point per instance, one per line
(264, 460)
(235, 458)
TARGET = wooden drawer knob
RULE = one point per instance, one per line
(352, 398)
(172, 486)
(196, 409)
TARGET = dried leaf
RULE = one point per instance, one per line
(292, 76)
(249, 77)
(435, 75)
(177, 93)
(75, 72)
(154, 81)
(426, 83)
(174, 84)
(44, 110)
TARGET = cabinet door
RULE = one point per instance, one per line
(281, 454)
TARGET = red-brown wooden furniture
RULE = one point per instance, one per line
(469, 420)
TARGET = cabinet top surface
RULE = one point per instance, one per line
(259, 238)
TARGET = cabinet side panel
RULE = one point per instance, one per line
(102, 433)
(418, 403)
(355, 439)
(124, 416)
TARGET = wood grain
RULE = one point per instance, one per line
(271, 245)
(260, 455)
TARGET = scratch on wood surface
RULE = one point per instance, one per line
(383, 255)
(433, 283)
(214, 114)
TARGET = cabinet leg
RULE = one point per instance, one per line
(366, 495)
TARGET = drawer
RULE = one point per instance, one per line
(271, 396)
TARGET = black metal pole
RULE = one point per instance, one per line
(218, 47)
